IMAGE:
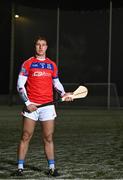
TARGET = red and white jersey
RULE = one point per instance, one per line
(40, 73)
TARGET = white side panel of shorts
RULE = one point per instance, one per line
(33, 115)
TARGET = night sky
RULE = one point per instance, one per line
(84, 39)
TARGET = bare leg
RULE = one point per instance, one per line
(47, 130)
(27, 132)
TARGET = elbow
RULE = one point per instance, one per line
(19, 88)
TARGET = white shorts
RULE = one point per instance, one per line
(42, 114)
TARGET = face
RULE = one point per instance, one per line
(41, 47)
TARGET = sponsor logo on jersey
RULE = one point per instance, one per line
(41, 73)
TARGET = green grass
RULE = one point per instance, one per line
(89, 144)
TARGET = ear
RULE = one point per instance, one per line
(47, 47)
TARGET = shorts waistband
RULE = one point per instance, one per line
(41, 105)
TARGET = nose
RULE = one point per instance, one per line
(40, 47)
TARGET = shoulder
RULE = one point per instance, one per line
(28, 61)
(51, 61)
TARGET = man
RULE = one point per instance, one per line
(35, 84)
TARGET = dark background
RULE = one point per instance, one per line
(83, 39)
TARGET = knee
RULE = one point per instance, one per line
(48, 138)
(26, 136)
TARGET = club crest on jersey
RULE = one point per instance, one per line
(49, 66)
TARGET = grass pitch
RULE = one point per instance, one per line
(88, 145)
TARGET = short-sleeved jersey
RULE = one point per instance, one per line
(39, 74)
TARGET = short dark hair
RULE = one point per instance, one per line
(40, 38)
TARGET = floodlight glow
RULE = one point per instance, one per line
(16, 16)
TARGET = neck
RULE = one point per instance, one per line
(41, 57)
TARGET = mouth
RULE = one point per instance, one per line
(40, 51)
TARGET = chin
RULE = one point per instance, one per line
(39, 54)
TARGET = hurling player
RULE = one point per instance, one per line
(36, 80)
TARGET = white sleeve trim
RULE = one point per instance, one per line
(58, 86)
(22, 90)
(28, 103)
